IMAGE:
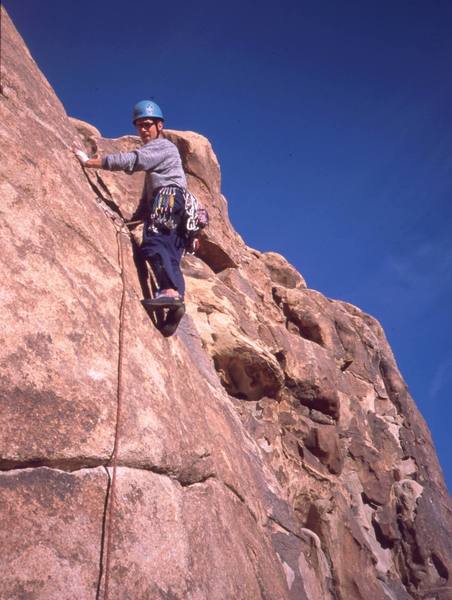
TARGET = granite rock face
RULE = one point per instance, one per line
(270, 449)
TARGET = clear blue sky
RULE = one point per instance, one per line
(332, 124)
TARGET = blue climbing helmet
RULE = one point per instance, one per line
(146, 108)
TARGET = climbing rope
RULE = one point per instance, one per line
(191, 208)
(119, 394)
(110, 500)
(120, 226)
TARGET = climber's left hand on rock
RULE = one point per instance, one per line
(81, 156)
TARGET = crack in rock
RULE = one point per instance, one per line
(74, 467)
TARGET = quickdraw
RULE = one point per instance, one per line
(162, 217)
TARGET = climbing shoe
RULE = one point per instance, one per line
(164, 301)
(172, 320)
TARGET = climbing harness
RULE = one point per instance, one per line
(195, 216)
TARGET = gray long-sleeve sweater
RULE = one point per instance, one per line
(159, 158)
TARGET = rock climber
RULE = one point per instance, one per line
(163, 241)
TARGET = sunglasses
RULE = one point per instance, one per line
(145, 125)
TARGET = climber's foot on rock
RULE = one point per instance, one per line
(165, 298)
(172, 320)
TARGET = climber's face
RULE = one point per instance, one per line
(148, 129)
